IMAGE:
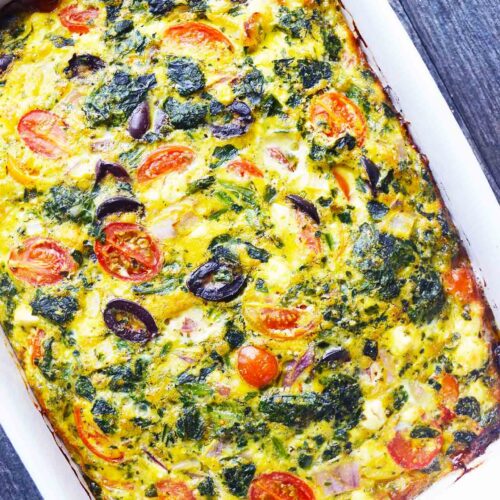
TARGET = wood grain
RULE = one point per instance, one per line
(460, 42)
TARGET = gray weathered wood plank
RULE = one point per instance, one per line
(15, 483)
(461, 44)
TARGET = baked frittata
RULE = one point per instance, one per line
(224, 267)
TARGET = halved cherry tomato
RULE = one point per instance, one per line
(97, 442)
(280, 322)
(460, 283)
(41, 261)
(245, 168)
(76, 20)
(169, 489)
(257, 366)
(448, 396)
(129, 252)
(253, 31)
(280, 318)
(36, 345)
(343, 184)
(335, 115)
(44, 133)
(279, 486)
(197, 34)
(449, 391)
(414, 454)
(165, 160)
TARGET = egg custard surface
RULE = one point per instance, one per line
(224, 267)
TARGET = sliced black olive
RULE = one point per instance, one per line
(373, 173)
(118, 204)
(103, 168)
(120, 313)
(336, 354)
(216, 281)
(238, 126)
(496, 357)
(305, 207)
(139, 121)
(82, 65)
(5, 62)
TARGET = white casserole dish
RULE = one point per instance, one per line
(465, 191)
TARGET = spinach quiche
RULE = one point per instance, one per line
(224, 267)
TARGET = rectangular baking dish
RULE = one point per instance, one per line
(465, 191)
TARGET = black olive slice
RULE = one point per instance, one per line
(238, 126)
(139, 121)
(83, 65)
(103, 168)
(121, 326)
(305, 207)
(335, 354)
(373, 173)
(5, 62)
(202, 283)
(118, 204)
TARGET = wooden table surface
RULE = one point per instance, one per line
(460, 42)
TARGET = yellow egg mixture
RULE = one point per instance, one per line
(224, 266)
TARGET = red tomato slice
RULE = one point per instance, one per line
(245, 168)
(197, 35)
(168, 489)
(129, 252)
(165, 160)
(36, 345)
(460, 283)
(280, 318)
(343, 184)
(44, 133)
(414, 454)
(279, 486)
(76, 20)
(41, 261)
(280, 322)
(257, 366)
(449, 391)
(448, 396)
(335, 115)
(97, 442)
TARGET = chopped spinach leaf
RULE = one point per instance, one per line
(311, 72)
(105, 416)
(84, 388)
(185, 115)
(113, 102)
(238, 478)
(190, 424)
(69, 203)
(59, 309)
(470, 407)
(186, 75)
